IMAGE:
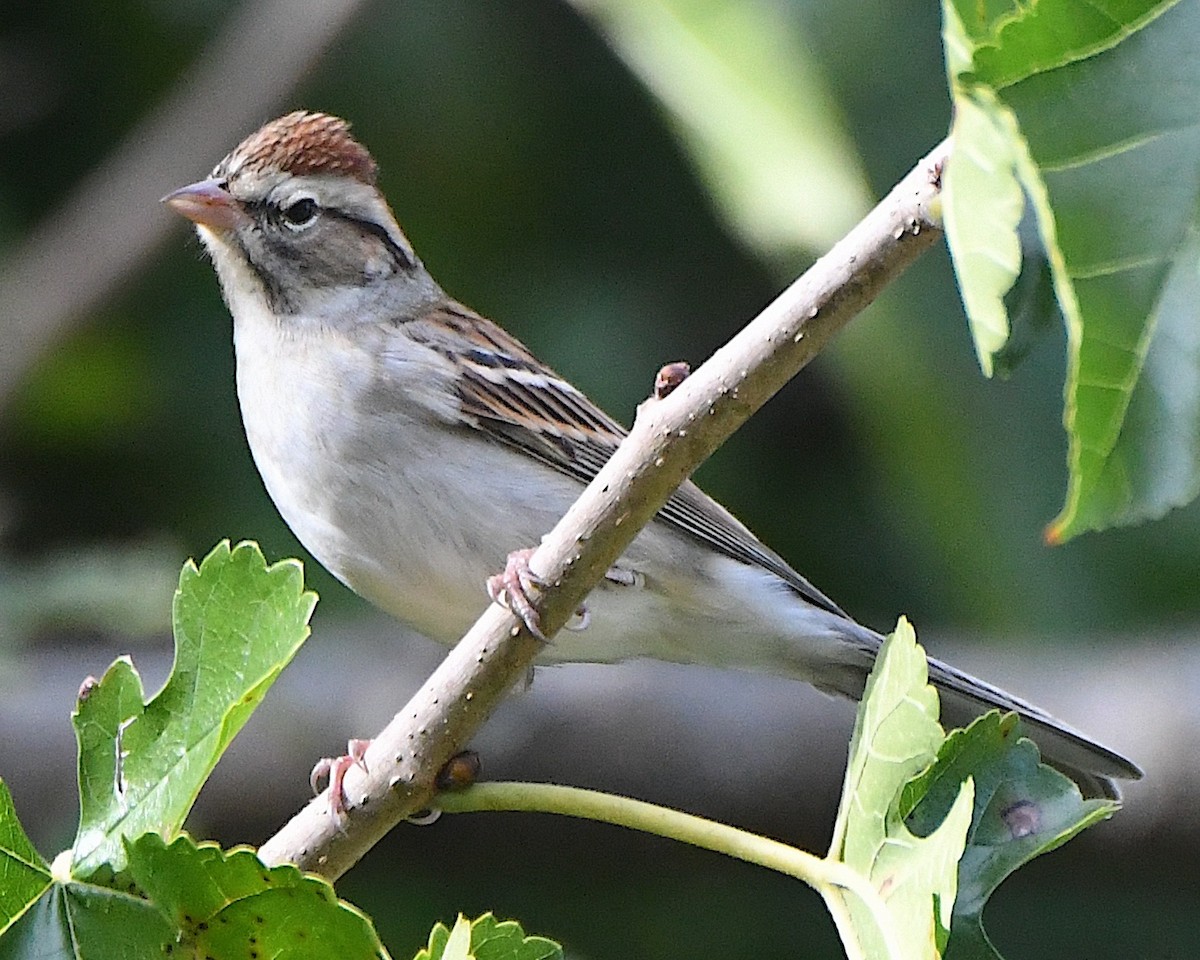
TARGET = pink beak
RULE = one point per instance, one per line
(207, 203)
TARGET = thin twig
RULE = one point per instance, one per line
(830, 878)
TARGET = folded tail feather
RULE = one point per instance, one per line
(1092, 766)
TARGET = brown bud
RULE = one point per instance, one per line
(460, 771)
(670, 377)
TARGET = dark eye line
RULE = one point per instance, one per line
(380, 233)
(267, 210)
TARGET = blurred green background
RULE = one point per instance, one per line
(543, 185)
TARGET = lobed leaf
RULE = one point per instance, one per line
(228, 904)
(486, 938)
(237, 624)
(1023, 809)
(896, 736)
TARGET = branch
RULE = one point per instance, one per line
(670, 438)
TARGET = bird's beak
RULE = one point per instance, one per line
(207, 203)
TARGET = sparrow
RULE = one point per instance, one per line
(413, 446)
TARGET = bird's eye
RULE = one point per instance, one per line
(300, 213)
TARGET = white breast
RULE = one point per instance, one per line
(357, 449)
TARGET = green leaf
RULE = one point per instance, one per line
(439, 937)
(76, 919)
(896, 736)
(220, 904)
(487, 938)
(1092, 107)
(982, 205)
(24, 875)
(195, 901)
(1017, 40)
(493, 939)
(237, 623)
(1150, 466)
(1023, 808)
(750, 107)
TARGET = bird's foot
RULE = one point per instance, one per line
(515, 588)
(336, 768)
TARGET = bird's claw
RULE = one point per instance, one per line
(514, 590)
(336, 768)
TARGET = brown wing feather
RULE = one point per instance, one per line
(515, 398)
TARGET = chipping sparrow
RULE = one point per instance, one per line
(412, 445)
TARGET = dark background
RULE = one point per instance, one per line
(541, 184)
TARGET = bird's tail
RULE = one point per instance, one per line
(1094, 767)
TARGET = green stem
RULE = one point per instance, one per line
(827, 877)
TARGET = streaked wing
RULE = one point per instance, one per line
(515, 398)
